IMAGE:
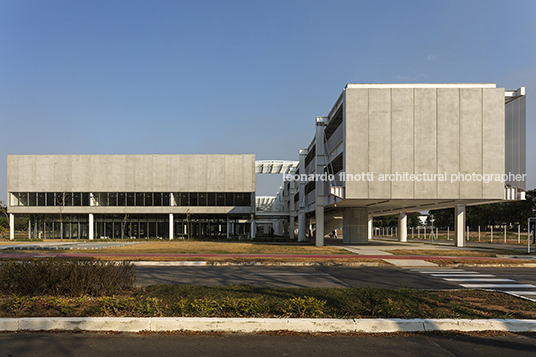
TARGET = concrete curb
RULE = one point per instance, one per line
(208, 324)
(246, 263)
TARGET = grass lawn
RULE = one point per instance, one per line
(247, 301)
(195, 247)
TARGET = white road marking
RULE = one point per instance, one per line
(497, 286)
(464, 275)
(285, 274)
(469, 279)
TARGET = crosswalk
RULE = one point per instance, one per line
(475, 280)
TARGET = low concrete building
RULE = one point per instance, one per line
(136, 196)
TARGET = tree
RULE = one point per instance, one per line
(443, 218)
(4, 221)
(413, 219)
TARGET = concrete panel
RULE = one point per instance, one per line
(355, 226)
(248, 165)
(448, 141)
(402, 141)
(470, 141)
(130, 171)
(184, 178)
(219, 171)
(425, 142)
(380, 141)
(212, 176)
(161, 173)
(45, 169)
(26, 172)
(63, 173)
(199, 173)
(117, 172)
(175, 173)
(80, 173)
(356, 152)
(12, 173)
(138, 174)
(493, 137)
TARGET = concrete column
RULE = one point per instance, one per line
(11, 226)
(228, 228)
(302, 226)
(402, 227)
(171, 226)
(355, 226)
(320, 194)
(319, 218)
(459, 223)
(30, 228)
(90, 235)
(369, 233)
(253, 226)
(291, 227)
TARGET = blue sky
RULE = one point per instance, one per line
(179, 77)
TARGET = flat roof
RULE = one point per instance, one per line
(421, 85)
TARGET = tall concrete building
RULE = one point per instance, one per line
(397, 148)
(382, 149)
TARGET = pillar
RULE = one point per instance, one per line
(171, 226)
(320, 190)
(228, 228)
(253, 226)
(459, 226)
(291, 227)
(91, 226)
(402, 227)
(355, 226)
(319, 219)
(301, 227)
(11, 226)
(369, 231)
(30, 228)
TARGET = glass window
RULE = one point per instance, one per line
(139, 199)
(148, 199)
(112, 198)
(201, 199)
(157, 199)
(41, 199)
(85, 198)
(68, 198)
(211, 199)
(23, 199)
(32, 199)
(184, 199)
(130, 198)
(229, 199)
(220, 199)
(193, 199)
(50, 199)
(239, 199)
(165, 199)
(77, 199)
(121, 199)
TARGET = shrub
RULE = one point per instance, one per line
(68, 277)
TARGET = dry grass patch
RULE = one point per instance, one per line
(218, 248)
(445, 252)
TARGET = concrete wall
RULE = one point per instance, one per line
(131, 173)
(432, 129)
(515, 139)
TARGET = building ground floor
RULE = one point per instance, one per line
(137, 226)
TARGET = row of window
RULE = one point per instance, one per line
(147, 199)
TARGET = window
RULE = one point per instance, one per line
(211, 199)
(148, 199)
(139, 199)
(130, 198)
(121, 196)
(202, 199)
(77, 199)
(157, 199)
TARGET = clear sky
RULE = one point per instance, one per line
(181, 77)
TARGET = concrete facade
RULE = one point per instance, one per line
(396, 148)
(102, 194)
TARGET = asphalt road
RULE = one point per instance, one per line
(119, 345)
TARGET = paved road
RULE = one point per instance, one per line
(119, 345)
(520, 281)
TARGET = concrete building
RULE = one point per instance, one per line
(137, 196)
(382, 149)
(397, 148)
